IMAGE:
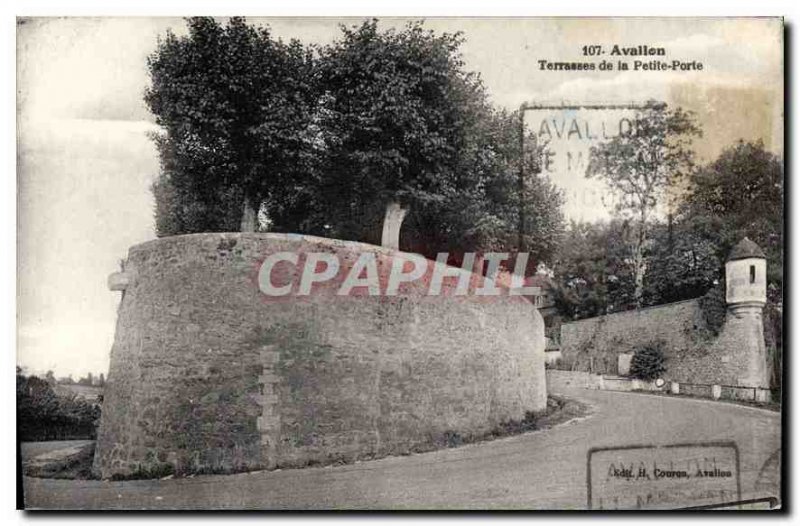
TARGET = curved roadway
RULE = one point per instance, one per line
(539, 470)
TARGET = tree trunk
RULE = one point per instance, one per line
(392, 222)
(670, 243)
(639, 260)
(638, 276)
(248, 215)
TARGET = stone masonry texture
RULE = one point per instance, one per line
(735, 357)
(209, 375)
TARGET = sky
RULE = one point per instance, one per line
(85, 163)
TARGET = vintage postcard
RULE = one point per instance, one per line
(400, 263)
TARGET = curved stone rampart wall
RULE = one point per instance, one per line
(210, 375)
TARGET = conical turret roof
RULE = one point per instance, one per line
(745, 249)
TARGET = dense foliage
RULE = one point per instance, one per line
(592, 272)
(404, 121)
(235, 106)
(320, 141)
(642, 167)
(394, 116)
(42, 415)
(714, 308)
(738, 195)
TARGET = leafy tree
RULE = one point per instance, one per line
(405, 127)
(378, 122)
(741, 193)
(235, 106)
(42, 415)
(640, 167)
(482, 214)
(591, 270)
(684, 260)
(390, 118)
(595, 276)
(738, 195)
(35, 397)
(648, 362)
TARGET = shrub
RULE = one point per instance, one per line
(648, 362)
(42, 415)
(714, 308)
(145, 472)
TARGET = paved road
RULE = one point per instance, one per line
(540, 470)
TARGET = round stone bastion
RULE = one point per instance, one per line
(209, 374)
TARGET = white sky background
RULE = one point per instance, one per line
(85, 163)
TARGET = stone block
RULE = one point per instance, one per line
(119, 281)
(624, 363)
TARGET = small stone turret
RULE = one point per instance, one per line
(746, 276)
(746, 295)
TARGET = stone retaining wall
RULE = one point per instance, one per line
(557, 380)
(736, 357)
(209, 375)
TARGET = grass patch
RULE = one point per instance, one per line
(155, 471)
(73, 467)
(559, 409)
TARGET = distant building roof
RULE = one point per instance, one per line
(745, 249)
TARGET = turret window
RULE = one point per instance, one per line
(752, 274)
